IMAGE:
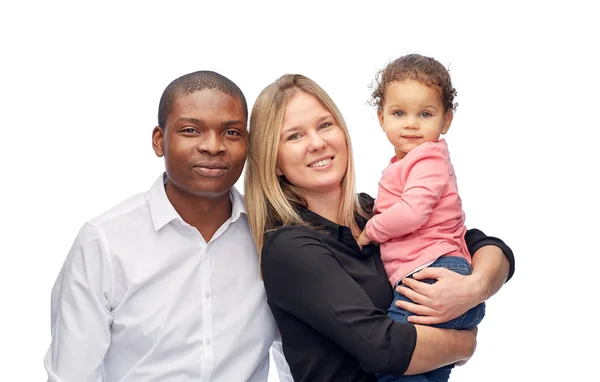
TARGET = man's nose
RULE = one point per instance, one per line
(212, 143)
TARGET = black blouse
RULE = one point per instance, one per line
(330, 300)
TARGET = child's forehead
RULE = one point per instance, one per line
(405, 85)
(412, 91)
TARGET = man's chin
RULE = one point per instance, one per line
(210, 190)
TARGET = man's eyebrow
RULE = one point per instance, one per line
(195, 121)
(232, 123)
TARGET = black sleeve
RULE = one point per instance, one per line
(476, 239)
(302, 277)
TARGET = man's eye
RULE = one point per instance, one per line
(233, 133)
(188, 130)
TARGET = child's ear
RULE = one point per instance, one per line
(158, 141)
(447, 121)
(380, 117)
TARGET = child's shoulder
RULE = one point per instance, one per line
(429, 149)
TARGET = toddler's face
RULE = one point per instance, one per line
(413, 113)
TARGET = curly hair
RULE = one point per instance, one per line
(427, 70)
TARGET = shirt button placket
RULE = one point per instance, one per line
(207, 313)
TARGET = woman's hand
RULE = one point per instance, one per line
(452, 295)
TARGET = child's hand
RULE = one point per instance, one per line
(363, 239)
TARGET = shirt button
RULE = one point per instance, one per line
(207, 294)
(207, 342)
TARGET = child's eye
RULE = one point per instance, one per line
(399, 113)
(425, 114)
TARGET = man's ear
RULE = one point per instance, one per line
(380, 118)
(447, 121)
(158, 141)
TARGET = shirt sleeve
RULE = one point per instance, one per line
(283, 369)
(80, 312)
(302, 277)
(476, 239)
(426, 182)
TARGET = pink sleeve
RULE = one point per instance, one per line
(427, 179)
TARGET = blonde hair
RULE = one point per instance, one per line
(269, 198)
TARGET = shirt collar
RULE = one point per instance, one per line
(163, 212)
(238, 205)
(340, 233)
(161, 209)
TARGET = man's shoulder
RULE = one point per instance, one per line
(123, 213)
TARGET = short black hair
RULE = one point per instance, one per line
(195, 82)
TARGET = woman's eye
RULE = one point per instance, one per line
(293, 136)
(325, 125)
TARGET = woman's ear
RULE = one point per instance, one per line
(278, 171)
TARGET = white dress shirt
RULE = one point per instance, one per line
(142, 297)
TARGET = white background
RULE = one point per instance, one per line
(80, 86)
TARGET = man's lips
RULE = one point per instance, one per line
(211, 169)
(210, 165)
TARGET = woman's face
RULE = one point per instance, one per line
(313, 154)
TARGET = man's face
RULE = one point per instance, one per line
(204, 142)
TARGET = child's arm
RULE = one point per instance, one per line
(428, 178)
(80, 312)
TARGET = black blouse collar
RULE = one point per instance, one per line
(340, 233)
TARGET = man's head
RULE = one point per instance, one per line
(202, 134)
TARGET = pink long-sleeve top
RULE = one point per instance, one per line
(418, 212)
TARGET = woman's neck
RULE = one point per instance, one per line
(326, 204)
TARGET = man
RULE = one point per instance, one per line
(165, 286)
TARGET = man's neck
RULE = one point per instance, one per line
(204, 213)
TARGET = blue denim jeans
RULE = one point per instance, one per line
(469, 320)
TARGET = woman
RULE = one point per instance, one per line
(328, 296)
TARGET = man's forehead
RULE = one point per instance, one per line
(208, 102)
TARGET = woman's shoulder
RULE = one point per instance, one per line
(291, 246)
(288, 238)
